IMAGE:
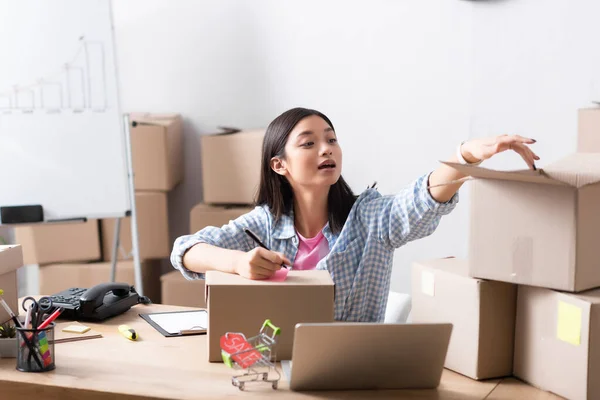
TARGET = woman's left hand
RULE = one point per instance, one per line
(481, 149)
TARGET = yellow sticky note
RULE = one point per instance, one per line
(568, 327)
(76, 329)
(428, 283)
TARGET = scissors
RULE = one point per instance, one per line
(36, 309)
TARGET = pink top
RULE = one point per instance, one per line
(310, 251)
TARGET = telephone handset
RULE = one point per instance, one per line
(97, 303)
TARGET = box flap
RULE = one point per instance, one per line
(225, 130)
(234, 131)
(11, 258)
(153, 119)
(527, 176)
(576, 170)
(294, 278)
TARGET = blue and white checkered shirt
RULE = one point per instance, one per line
(360, 259)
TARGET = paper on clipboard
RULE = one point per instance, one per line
(180, 322)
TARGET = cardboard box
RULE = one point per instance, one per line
(157, 151)
(557, 341)
(588, 138)
(482, 313)
(58, 277)
(52, 243)
(178, 291)
(11, 259)
(153, 229)
(231, 166)
(203, 215)
(237, 304)
(538, 228)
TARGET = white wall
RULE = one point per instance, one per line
(404, 81)
(533, 68)
(392, 75)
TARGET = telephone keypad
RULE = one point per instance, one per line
(68, 298)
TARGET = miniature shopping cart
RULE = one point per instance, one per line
(254, 355)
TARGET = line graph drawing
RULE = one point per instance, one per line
(78, 86)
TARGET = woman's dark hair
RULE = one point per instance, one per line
(276, 192)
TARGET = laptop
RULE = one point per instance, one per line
(344, 356)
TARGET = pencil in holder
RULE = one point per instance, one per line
(35, 349)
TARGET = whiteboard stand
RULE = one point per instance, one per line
(115, 250)
(137, 265)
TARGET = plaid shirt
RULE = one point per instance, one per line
(360, 257)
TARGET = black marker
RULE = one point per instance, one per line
(258, 242)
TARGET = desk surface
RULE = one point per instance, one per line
(156, 367)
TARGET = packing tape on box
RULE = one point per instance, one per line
(522, 258)
(428, 282)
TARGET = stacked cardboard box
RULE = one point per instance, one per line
(537, 230)
(157, 154)
(66, 242)
(11, 259)
(157, 151)
(482, 313)
(176, 290)
(231, 166)
(230, 178)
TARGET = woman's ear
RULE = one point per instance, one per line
(278, 166)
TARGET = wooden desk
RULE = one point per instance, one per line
(155, 367)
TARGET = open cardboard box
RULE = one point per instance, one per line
(538, 228)
(231, 166)
(157, 151)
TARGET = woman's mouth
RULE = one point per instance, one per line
(328, 164)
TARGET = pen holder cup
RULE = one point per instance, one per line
(35, 349)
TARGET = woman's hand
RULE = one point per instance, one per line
(473, 151)
(481, 149)
(260, 263)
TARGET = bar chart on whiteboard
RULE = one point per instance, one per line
(61, 129)
(79, 85)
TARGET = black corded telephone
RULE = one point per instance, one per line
(97, 303)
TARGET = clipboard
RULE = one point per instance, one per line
(178, 323)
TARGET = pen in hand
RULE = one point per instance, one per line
(261, 244)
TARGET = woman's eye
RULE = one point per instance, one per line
(308, 144)
(334, 140)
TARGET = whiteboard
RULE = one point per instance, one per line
(62, 139)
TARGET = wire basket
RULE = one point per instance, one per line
(253, 356)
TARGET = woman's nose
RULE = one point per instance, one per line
(326, 150)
